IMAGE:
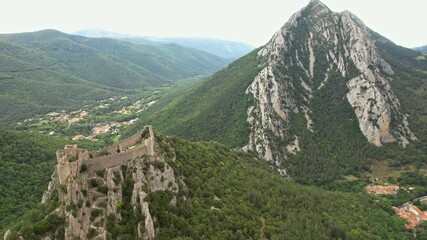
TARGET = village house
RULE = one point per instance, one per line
(412, 214)
(383, 190)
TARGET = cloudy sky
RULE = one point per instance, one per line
(252, 21)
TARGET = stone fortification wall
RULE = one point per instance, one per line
(132, 141)
(100, 163)
(149, 142)
(64, 155)
(63, 172)
(119, 147)
(71, 158)
(64, 166)
(77, 170)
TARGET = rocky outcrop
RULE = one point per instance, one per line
(299, 60)
(370, 93)
(153, 179)
(50, 188)
(6, 235)
(272, 110)
(93, 194)
(101, 192)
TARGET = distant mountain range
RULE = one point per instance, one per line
(327, 102)
(221, 48)
(49, 70)
(422, 49)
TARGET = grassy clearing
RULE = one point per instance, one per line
(420, 57)
(383, 171)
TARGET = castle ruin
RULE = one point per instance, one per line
(71, 158)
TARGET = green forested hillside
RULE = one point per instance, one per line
(49, 70)
(213, 110)
(216, 110)
(112, 62)
(231, 195)
(221, 192)
(26, 163)
(411, 88)
(255, 202)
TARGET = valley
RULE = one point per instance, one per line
(42, 71)
(321, 133)
(93, 121)
(103, 120)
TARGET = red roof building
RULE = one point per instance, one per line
(412, 214)
(383, 190)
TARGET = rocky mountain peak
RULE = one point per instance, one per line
(317, 7)
(299, 61)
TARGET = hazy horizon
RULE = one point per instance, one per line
(248, 22)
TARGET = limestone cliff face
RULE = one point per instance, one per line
(102, 191)
(91, 200)
(370, 93)
(299, 60)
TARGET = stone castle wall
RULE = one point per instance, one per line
(119, 154)
(64, 166)
(99, 163)
(63, 172)
(121, 146)
(132, 141)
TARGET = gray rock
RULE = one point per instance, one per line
(278, 92)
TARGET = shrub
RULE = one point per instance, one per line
(92, 233)
(104, 152)
(72, 159)
(63, 188)
(96, 212)
(100, 173)
(103, 189)
(93, 183)
(83, 168)
(70, 207)
(50, 223)
(80, 203)
(159, 165)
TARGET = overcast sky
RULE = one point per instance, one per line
(250, 21)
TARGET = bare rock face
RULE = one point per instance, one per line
(154, 179)
(273, 108)
(6, 235)
(98, 197)
(113, 175)
(370, 93)
(299, 60)
(91, 200)
(161, 179)
(48, 193)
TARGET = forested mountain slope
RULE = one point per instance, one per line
(26, 163)
(49, 70)
(209, 192)
(322, 99)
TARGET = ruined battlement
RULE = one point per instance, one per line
(71, 158)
